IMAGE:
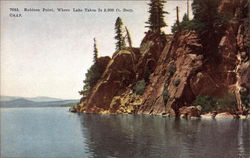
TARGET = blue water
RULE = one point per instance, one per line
(56, 133)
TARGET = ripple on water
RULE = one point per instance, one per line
(54, 132)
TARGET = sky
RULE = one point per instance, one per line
(48, 53)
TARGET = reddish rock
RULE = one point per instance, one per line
(183, 54)
(224, 115)
(150, 50)
(181, 67)
(190, 111)
(197, 76)
(119, 73)
(208, 115)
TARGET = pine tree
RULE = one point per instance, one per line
(185, 18)
(93, 74)
(206, 12)
(95, 51)
(128, 37)
(156, 19)
(183, 25)
(119, 29)
(174, 28)
(211, 25)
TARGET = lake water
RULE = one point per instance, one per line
(56, 133)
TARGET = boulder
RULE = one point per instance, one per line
(190, 111)
(208, 115)
(225, 115)
(72, 109)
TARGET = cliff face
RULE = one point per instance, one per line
(178, 62)
(179, 67)
(124, 69)
(118, 75)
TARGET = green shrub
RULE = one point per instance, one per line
(188, 25)
(192, 25)
(227, 103)
(245, 99)
(198, 24)
(165, 95)
(91, 77)
(172, 69)
(139, 87)
(86, 89)
(206, 12)
(207, 103)
(174, 28)
(177, 82)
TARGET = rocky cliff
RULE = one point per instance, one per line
(177, 71)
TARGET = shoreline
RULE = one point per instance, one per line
(222, 115)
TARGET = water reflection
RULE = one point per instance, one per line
(145, 136)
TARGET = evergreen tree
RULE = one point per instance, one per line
(206, 17)
(156, 19)
(174, 28)
(206, 12)
(93, 74)
(119, 29)
(91, 77)
(95, 51)
(184, 24)
(211, 24)
(185, 18)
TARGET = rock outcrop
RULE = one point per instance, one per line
(124, 69)
(180, 68)
(179, 61)
(190, 111)
(119, 74)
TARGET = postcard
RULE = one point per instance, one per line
(125, 79)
